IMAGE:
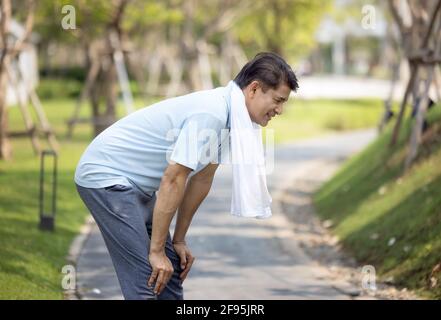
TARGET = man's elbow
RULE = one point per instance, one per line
(175, 173)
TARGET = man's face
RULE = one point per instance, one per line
(262, 106)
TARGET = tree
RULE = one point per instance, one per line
(10, 48)
(421, 40)
(102, 52)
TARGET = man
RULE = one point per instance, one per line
(134, 176)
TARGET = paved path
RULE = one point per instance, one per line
(241, 258)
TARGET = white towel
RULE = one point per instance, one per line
(250, 196)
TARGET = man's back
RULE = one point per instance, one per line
(137, 147)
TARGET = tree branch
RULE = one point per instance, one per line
(28, 29)
(396, 16)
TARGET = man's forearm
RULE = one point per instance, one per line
(169, 198)
(195, 193)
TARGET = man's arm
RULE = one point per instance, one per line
(170, 193)
(197, 189)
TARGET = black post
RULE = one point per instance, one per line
(47, 221)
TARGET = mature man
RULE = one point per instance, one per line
(135, 175)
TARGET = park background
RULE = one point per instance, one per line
(69, 69)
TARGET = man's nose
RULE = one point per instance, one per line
(279, 110)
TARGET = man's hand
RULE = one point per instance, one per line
(185, 256)
(162, 271)
(171, 191)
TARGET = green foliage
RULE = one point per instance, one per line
(287, 26)
(278, 25)
(93, 18)
(371, 201)
(59, 88)
(307, 118)
(142, 16)
(90, 16)
(30, 260)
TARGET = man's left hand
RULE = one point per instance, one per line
(185, 256)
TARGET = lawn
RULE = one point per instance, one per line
(389, 219)
(308, 118)
(31, 260)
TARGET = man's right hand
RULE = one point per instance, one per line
(162, 271)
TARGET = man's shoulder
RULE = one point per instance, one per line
(211, 103)
(198, 104)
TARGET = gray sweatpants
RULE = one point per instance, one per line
(124, 217)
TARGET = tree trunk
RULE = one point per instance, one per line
(420, 34)
(5, 146)
(188, 47)
(111, 94)
(95, 93)
(8, 53)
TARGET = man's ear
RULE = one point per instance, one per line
(252, 88)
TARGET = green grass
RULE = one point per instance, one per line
(31, 260)
(370, 197)
(309, 118)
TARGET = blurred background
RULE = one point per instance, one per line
(70, 68)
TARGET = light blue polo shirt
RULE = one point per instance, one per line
(136, 149)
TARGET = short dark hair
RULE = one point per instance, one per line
(268, 68)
